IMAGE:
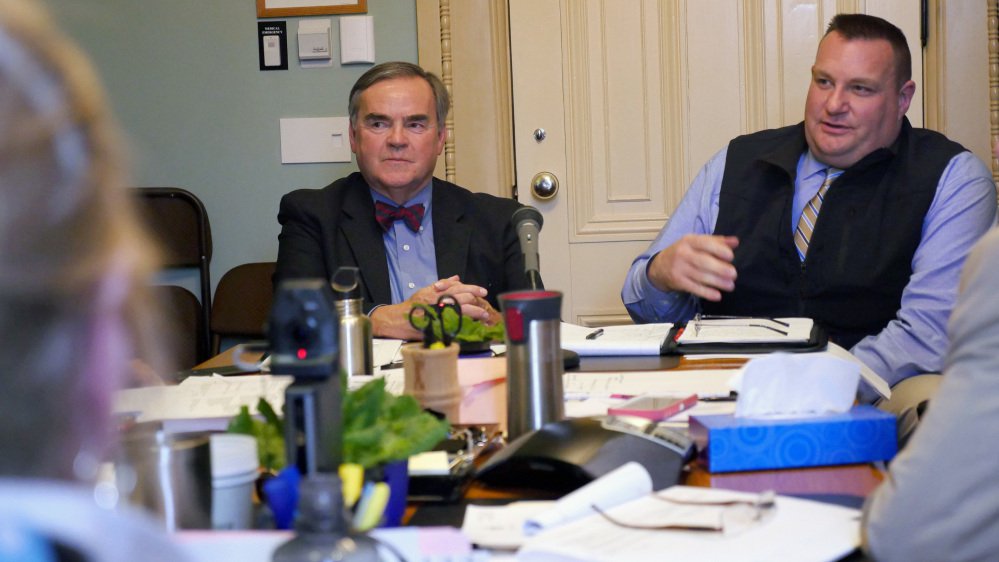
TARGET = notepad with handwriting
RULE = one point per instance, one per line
(628, 339)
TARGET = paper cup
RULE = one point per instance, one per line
(234, 470)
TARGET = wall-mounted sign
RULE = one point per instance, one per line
(272, 42)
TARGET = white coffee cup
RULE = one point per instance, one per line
(234, 470)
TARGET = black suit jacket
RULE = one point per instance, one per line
(323, 229)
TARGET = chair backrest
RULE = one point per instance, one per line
(242, 303)
(179, 222)
(182, 321)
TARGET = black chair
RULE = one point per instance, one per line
(181, 319)
(242, 303)
(179, 222)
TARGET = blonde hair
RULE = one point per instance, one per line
(72, 253)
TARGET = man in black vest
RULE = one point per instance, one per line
(900, 208)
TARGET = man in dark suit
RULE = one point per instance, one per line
(414, 237)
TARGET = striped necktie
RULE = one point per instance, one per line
(810, 215)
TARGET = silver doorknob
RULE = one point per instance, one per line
(544, 185)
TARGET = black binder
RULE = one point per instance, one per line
(817, 341)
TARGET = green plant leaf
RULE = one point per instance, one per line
(471, 330)
(378, 428)
(268, 433)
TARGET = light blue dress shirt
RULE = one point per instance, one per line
(412, 260)
(963, 209)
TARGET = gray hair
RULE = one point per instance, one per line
(392, 70)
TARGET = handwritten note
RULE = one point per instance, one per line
(202, 397)
(707, 382)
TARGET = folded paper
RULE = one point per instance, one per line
(623, 484)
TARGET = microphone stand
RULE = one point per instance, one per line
(534, 280)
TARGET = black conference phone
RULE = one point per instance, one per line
(565, 455)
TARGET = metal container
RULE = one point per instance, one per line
(168, 474)
(356, 356)
(534, 360)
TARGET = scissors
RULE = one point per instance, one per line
(446, 313)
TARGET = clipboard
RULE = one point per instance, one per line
(818, 340)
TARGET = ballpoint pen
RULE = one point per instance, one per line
(595, 334)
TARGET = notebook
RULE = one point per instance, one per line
(627, 339)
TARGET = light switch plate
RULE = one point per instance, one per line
(357, 39)
(315, 139)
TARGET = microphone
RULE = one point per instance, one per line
(527, 221)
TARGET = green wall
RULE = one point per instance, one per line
(183, 79)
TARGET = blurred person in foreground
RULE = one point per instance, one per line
(74, 267)
(940, 499)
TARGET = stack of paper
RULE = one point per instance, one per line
(201, 403)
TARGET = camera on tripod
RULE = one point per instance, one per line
(304, 343)
(303, 330)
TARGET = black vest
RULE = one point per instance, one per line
(860, 255)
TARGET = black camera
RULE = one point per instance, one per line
(303, 330)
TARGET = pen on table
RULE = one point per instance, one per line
(595, 334)
(730, 397)
(579, 396)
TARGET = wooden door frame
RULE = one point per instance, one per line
(466, 43)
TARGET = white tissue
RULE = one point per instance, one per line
(625, 483)
(796, 385)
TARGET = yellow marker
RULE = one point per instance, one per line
(352, 476)
(372, 506)
(437, 345)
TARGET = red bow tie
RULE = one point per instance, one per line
(386, 214)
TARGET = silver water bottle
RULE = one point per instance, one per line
(355, 326)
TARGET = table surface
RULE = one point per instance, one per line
(848, 480)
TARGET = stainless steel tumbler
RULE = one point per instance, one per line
(534, 360)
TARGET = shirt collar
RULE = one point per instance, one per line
(809, 166)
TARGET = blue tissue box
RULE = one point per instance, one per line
(727, 443)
